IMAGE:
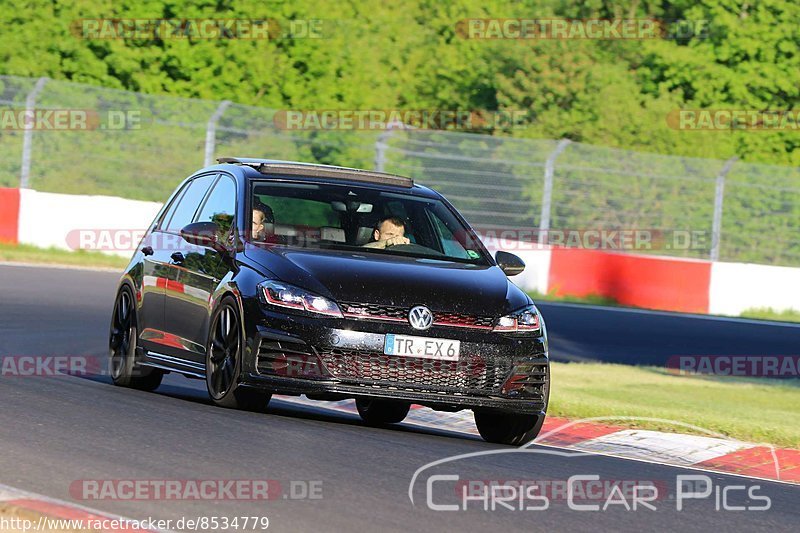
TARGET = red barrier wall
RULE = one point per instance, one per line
(9, 215)
(644, 281)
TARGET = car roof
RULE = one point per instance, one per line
(263, 168)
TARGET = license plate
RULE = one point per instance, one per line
(423, 347)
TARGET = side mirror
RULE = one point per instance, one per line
(510, 264)
(203, 234)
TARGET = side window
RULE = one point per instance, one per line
(450, 245)
(187, 206)
(171, 209)
(220, 207)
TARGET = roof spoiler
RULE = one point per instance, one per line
(269, 166)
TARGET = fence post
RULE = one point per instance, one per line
(380, 149)
(547, 193)
(719, 194)
(211, 132)
(383, 143)
(27, 137)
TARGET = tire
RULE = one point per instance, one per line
(513, 429)
(224, 352)
(381, 412)
(125, 372)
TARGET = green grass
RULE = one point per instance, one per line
(24, 253)
(767, 313)
(749, 409)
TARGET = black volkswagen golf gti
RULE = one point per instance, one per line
(271, 277)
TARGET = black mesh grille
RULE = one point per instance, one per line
(393, 313)
(476, 375)
(456, 319)
(375, 311)
(470, 375)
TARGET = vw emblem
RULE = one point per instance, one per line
(420, 317)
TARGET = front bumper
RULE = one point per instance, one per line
(344, 358)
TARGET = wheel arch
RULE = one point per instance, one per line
(127, 282)
(229, 287)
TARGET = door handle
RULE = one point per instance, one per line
(148, 250)
(177, 258)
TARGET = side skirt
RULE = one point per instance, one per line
(173, 364)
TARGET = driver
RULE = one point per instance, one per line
(388, 232)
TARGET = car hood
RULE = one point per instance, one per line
(367, 277)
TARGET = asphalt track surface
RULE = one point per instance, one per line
(57, 430)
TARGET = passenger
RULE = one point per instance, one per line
(389, 232)
(262, 215)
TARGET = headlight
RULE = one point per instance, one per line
(284, 295)
(525, 321)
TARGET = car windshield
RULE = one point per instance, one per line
(346, 217)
